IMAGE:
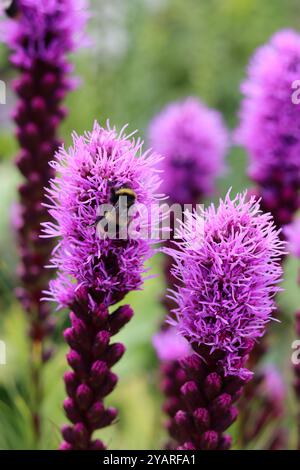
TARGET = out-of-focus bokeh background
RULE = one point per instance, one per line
(145, 53)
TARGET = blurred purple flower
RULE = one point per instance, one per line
(170, 348)
(273, 388)
(269, 124)
(94, 272)
(45, 30)
(274, 395)
(193, 140)
(292, 233)
(170, 345)
(262, 409)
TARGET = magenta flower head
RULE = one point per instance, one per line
(193, 140)
(230, 272)
(95, 272)
(269, 124)
(229, 269)
(98, 164)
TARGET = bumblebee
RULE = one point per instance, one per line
(11, 8)
(121, 199)
(125, 192)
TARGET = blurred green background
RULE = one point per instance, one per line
(145, 54)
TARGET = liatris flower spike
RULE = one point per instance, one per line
(269, 127)
(193, 140)
(39, 34)
(269, 122)
(95, 272)
(229, 270)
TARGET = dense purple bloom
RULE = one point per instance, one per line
(193, 140)
(228, 268)
(39, 35)
(95, 272)
(98, 161)
(230, 275)
(269, 127)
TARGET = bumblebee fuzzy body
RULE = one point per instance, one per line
(11, 8)
(118, 217)
(123, 192)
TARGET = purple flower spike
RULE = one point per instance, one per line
(269, 127)
(193, 140)
(91, 357)
(229, 275)
(269, 123)
(45, 30)
(39, 34)
(95, 272)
